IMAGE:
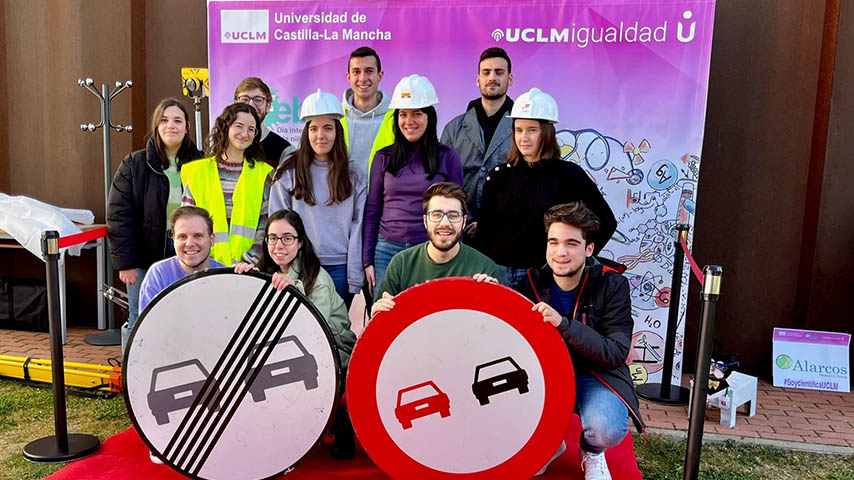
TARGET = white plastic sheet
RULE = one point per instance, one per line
(26, 218)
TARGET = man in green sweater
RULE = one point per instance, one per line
(442, 255)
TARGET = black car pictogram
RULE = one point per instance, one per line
(515, 378)
(171, 399)
(301, 368)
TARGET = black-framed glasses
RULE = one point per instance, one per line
(259, 100)
(436, 216)
(286, 239)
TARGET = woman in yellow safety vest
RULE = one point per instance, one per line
(232, 184)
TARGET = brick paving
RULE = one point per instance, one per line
(782, 414)
(37, 345)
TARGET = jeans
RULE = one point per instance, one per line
(512, 277)
(604, 416)
(133, 298)
(382, 257)
(339, 278)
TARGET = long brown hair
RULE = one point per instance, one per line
(187, 150)
(218, 140)
(549, 147)
(309, 264)
(340, 185)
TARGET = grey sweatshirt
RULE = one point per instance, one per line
(335, 230)
(362, 128)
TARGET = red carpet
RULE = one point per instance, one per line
(124, 456)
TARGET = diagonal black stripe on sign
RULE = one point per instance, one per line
(205, 397)
(224, 382)
(191, 417)
(230, 385)
(257, 360)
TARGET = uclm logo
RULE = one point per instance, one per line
(244, 26)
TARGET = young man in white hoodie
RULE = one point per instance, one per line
(367, 119)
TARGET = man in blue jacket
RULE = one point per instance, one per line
(481, 136)
(590, 305)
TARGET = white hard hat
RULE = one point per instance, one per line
(535, 105)
(413, 91)
(320, 103)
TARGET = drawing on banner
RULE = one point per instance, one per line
(658, 196)
(647, 350)
(428, 399)
(513, 378)
(163, 401)
(638, 373)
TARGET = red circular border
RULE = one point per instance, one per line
(450, 294)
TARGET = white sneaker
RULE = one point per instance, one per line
(558, 452)
(594, 465)
(154, 458)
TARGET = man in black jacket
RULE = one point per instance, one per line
(590, 305)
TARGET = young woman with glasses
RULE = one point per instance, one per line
(233, 185)
(291, 258)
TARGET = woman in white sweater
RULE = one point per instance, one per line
(318, 182)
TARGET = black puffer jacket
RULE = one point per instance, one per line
(136, 211)
(515, 198)
(598, 332)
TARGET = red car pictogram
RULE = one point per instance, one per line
(438, 402)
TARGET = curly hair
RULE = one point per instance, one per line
(218, 140)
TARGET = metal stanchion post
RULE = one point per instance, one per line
(664, 392)
(60, 447)
(711, 295)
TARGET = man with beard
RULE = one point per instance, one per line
(588, 301)
(481, 136)
(442, 255)
(192, 233)
(253, 91)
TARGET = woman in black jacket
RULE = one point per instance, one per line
(146, 189)
(509, 229)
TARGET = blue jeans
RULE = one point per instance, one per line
(512, 277)
(133, 298)
(382, 257)
(339, 278)
(604, 416)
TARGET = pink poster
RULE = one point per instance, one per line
(630, 78)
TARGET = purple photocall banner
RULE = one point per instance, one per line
(630, 79)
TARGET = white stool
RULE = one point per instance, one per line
(741, 391)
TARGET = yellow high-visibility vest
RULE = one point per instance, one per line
(384, 138)
(230, 241)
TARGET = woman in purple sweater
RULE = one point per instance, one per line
(400, 173)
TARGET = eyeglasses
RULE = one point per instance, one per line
(240, 128)
(286, 239)
(436, 216)
(258, 101)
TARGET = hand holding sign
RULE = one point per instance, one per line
(455, 365)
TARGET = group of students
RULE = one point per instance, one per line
(330, 214)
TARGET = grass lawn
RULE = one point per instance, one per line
(26, 414)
